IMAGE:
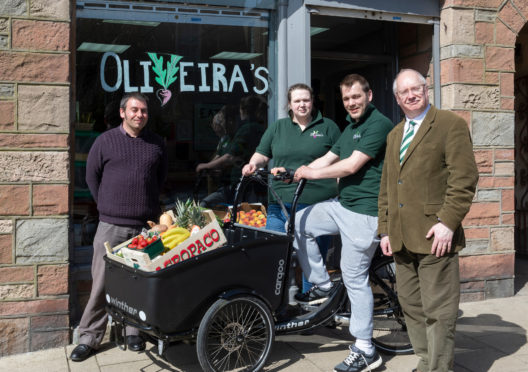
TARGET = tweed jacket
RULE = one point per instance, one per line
(435, 182)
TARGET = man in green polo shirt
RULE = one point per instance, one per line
(357, 160)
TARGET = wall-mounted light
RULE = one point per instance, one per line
(317, 30)
(132, 23)
(102, 48)
(235, 55)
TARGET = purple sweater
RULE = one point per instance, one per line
(125, 175)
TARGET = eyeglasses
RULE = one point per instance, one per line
(418, 90)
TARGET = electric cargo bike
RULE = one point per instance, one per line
(232, 301)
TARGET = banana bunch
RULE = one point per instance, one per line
(174, 236)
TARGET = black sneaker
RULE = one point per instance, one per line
(314, 296)
(358, 361)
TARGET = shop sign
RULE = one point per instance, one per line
(214, 77)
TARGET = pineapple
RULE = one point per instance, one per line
(188, 214)
(182, 214)
(196, 216)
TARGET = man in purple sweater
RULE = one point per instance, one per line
(125, 170)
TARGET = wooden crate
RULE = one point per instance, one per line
(210, 237)
(246, 207)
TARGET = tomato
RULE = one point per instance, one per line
(132, 246)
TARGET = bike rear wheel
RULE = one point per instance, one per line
(390, 332)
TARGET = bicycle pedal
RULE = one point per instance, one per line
(309, 308)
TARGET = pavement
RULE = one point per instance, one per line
(491, 336)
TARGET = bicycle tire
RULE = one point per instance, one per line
(235, 334)
(390, 331)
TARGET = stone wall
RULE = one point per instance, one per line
(35, 76)
(477, 40)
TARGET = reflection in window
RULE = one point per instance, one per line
(189, 72)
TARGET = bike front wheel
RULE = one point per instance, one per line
(390, 331)
(235, 335)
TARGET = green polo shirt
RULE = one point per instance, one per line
(291, 147)
(359, 192)
(243, 146)
(223, 145)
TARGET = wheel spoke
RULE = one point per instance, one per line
(238, 336)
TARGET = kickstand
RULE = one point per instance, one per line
(119, 339)
(161, 347)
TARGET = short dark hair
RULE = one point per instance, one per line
(139, 96)
(352, 79)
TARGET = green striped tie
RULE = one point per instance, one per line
(407, 138)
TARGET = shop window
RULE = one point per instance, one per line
(189, 63)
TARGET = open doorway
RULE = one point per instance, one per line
(521, 161)
(340, 46)
(375, 49)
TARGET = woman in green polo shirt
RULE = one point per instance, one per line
(302, 137)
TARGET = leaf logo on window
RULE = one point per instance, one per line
(165, 77)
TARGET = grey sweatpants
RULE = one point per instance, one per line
(93, 322)
(359, 241)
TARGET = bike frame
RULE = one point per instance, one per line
(323, 313)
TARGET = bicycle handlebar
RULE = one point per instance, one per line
(286, 176)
